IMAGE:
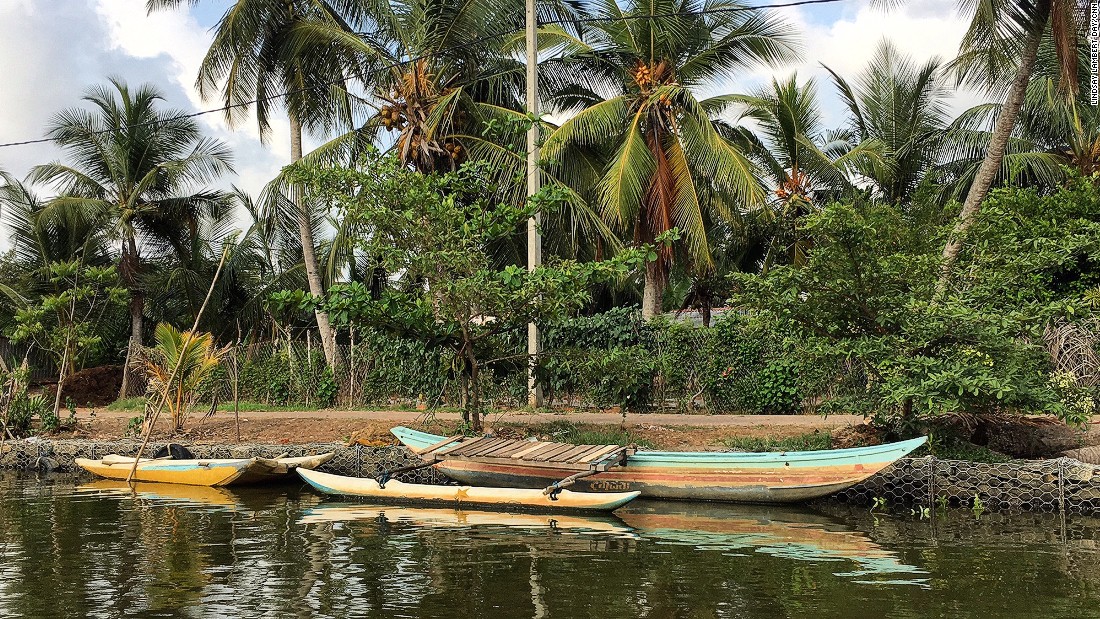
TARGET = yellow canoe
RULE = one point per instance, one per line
(188, 472)
(200, 472)
(453, 496)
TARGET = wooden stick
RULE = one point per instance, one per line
(435, 446)
(569, 481)
(236, 394)
(175, 368)
(620, 453)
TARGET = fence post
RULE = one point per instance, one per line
(1062, 485)
(932, 483)
(1062, 499)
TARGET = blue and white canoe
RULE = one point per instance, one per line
(773, 477)
(464, 496)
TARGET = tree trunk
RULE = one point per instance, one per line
(654, 291)
(130, 266)
(137, 324)
(61, 380)
(475, 394)
(994, 157)
(309, 256)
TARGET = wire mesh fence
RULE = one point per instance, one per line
(353, 460)
(1061, 485)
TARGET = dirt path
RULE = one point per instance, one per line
(669, 419)
(372, 427)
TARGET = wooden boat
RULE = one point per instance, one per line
(775, 477)
(463, 495)
(201, 472)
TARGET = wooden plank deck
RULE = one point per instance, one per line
(565, 456)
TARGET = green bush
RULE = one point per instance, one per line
(604, 360)
(392, 367)
(749, 365)
(273, 377)
(865, 310)
(741, 364)
(23, 407)
(620, 377)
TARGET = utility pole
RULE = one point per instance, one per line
(534, 239)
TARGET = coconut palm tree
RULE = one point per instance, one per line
(177, 365)
(35, 243)
(802, 162)
(1001, 47)
(264, 57)
(646, 149)
(900, 108)
(140, 169)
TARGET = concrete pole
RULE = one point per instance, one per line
(534, 239)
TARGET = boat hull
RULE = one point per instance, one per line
(454, 496)
(187, 472)
(777, 477)
(210, 472)
(267, 471)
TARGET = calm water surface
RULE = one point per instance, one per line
(74, 548)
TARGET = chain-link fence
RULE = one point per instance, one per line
(1061, 485)
(355, 460)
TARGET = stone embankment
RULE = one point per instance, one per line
(1061, 485)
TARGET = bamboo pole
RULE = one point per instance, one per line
(172, 376)
(236, 388)
(534, 181)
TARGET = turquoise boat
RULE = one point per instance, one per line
(771, 477)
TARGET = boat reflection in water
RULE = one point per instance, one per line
(442, 518)
(169, 494)
(787, 532)
(181, 495)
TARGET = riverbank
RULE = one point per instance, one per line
(657, 430)
(922, 485)
(997, 438)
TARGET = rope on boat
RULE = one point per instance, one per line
(553, 490)
(385, 476)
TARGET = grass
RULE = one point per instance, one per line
(569, 432)
(802, 442)
(954, 448)
(245, 406)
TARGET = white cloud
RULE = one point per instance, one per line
(177, 37)
(922, 30)
(51, 51)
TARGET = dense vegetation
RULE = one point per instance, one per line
(866, 267)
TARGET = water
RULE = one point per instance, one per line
(72, 548)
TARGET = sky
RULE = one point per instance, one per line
(51, 51)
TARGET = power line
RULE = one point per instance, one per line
(454, 48)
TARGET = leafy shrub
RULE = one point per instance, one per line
(867, 305)
(620, 377)
(590, 357)
(399, 368)
(275, 377)
(178, 366)
(750, 366)
(21, 407)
